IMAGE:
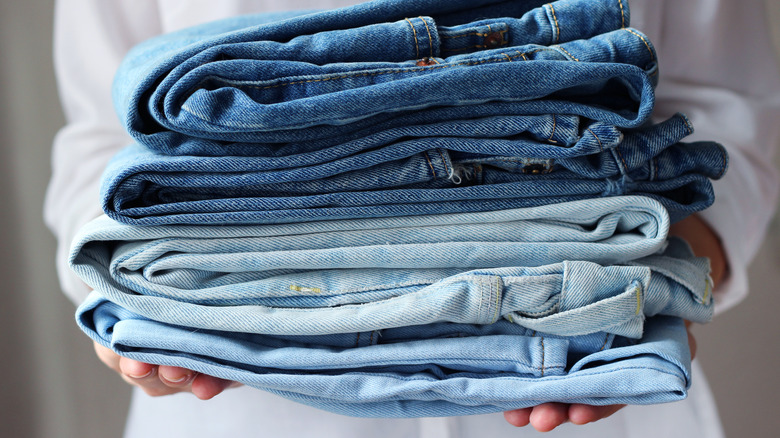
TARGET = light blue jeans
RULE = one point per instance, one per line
(438, 370)
(566, 269)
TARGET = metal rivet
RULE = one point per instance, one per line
(493, 40)
(425, 62)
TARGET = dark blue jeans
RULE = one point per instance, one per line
(275, 78)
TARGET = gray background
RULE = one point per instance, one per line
(53, 386)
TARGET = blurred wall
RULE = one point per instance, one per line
(53, 386)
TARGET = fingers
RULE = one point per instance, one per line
(548, 416)
(584, 414)
(206, 387)
(162, 380)
(147, 377)
(518, 417)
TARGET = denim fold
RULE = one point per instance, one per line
(420, 176)
(326, 74)
(438, 370)
(555, 269)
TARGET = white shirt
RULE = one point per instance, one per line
(716, 65)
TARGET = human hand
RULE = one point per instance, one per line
(159, 380)
(548, 416)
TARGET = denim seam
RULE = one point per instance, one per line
(527, 364)
(552, 134)
(542, 345)
(414, 33)
(622, 160)
(498, 300)
(444, 162)
(601, 146)
(428, 159)
(652, 54)
(655, 165)
(430, 38)
(555, 20)
(622, 15)
(566, 52)
(639, 295)
(510, 379)
(604, 345)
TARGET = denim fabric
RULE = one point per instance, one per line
(441, 174)
(386, 63)
(538, 267)
(438, 370)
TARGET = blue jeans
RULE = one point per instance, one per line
(323, 75)
(566, 269)
(483, 164)
(436, 370)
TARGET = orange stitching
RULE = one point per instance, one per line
(430, 38)
(604, 345)
(557, 27)
(507, 57)
(601, 147)
(522, 54)
(644, 41)
(414, 31)
(655, 173)
(555, 124)
(430, 164)
(357, 341)
(566, 52)
(625, 166)
(443, 161)
(622, 15)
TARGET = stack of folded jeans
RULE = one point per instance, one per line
(404, 208)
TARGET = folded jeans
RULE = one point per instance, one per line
(447, 376)
(541, 268)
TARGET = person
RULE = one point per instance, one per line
(704, 47)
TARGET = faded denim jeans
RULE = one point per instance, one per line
(565, 269)
(435, 370)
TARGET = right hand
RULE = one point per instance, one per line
(158, 380)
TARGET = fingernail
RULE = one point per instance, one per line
(180, 379)
(141, 376)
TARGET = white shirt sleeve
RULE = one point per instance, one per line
(90, 39)
(717, 65)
